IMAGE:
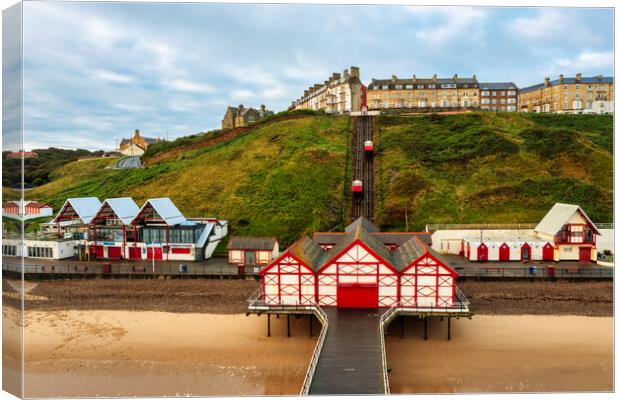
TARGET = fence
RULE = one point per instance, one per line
(437, 227)
(111, 269)
(535, 272)
(385, 320)
(320, 314)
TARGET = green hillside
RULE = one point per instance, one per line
(287, 177)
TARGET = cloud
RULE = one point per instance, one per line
(448, 23)
(188, 86)
(111, 76)
(95, 71)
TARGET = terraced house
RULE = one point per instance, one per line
(578, 95)
(424, 93)
(341, 93)
(499, 96)
(235, 117)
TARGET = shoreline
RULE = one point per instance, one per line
(112, 353)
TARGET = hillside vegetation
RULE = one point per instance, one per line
(291, 176)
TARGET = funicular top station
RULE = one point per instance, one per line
(356, 282)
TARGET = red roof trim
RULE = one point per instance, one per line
(287, 253)
(368, 249)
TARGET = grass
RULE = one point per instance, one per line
(292, 177)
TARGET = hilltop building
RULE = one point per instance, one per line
(578, 95)
(29, 209)
(136, 145)
(341, 93)
(22, 154)
(499, 96)
(424, 93)
(241, 116)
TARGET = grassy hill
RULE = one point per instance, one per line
(292, 176)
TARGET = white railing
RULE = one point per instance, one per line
(437, 227)
(320, 314)
(385, 319)
(256, 303)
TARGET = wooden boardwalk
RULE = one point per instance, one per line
(350, 362)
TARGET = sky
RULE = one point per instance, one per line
(94, 72)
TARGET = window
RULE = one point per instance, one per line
(409, 86)
(512, 101)
(576, 95)
(422, 86)
(511, 93)
(502, 93)
(493, 101)
(485, 101)
(503, 101)
(431, 86)
(493, 93)
(385, 87)
(398, 87)
(568, 249)
(565, 87)
(448, 85)
(576, 87)
(40, 252)
(465, 103)
(565, 106)
(512, 108)
(9, 250)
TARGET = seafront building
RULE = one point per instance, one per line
(566, 233)
(88, 229)
(566, 95)
(18, 209)
(341, 93)
(137, 144)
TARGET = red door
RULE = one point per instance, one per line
(504, 252)
(483, 252)
(134, 253)
(158, 253)
(548, 252)
(98, 251)
(358, 296)
(584, 254)
(114, 252)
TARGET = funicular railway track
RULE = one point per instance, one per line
(362, 204)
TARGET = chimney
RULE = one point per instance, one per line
(599, 77)
(306, 92)
(561, 78)
(434, 77)
(394, 78)
(355, 72)
(240, 107)
(414, 78)
(547, 81)
(136, 133)
(578, 77)
(473, 77)
(345, 74)
(455, 78)
(263, 108)
(317, 86)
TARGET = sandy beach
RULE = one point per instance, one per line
(527, 353)
(123, 353)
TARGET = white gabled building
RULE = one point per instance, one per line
(161, 232)
(564, 234)
(572, 232)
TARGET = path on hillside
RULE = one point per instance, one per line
(363, 169)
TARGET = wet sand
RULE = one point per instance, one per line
(124, 353)
(119, 352)
(527, 353)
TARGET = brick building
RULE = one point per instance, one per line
(423, 93)
(242, 116)
(341, 93)
(499, 96)
(578, 95)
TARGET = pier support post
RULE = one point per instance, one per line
(402, 326)
(425, 328)
(288, 325)
(310, 319)
(449, 332)
(268, 325)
